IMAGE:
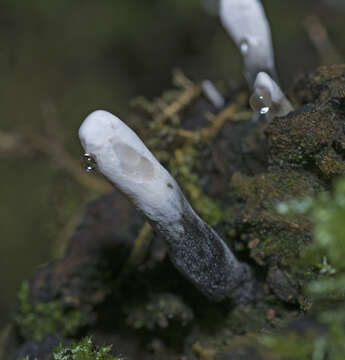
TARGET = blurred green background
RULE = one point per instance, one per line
(61, 59)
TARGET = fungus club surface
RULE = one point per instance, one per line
(193, 246)
(246, 23)
(235, 176)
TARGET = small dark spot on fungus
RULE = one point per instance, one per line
(170, 186)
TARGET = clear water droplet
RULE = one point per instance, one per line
(89, 163)
(244, 46)
(261, 101)
(264, 110)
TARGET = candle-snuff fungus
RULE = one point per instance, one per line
(194, 247)
(225, 170)
(245, 21)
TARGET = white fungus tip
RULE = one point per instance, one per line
(268, 97)
(213, 95)
(124, 159)
(95, 128)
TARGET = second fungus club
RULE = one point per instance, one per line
(246, 22)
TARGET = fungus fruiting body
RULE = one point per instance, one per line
(268, 98)
(213, 95)
(246, 23)
(194, 247)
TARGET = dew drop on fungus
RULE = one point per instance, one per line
(261, 101)
(89, 163)
(264, 110)
(244, 46)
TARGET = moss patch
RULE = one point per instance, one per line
(35, 320)
(83, 350)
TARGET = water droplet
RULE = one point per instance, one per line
(261, 101)
(89, 163)
(244, 46)
(264, 110)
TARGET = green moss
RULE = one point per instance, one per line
(290, 347)
(330, 163)
(182, 166)
(321, 336)
(35, 320)
(272, 238)
(300, 136)
(321, 85)
(83, 350)
(327, 212)
(326, 255)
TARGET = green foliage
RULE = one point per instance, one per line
(327, 212)
(36, 320)
(84, 350)
(326, 255)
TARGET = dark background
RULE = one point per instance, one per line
(61, 59)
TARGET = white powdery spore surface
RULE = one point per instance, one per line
(124, 159)
(246, 23)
